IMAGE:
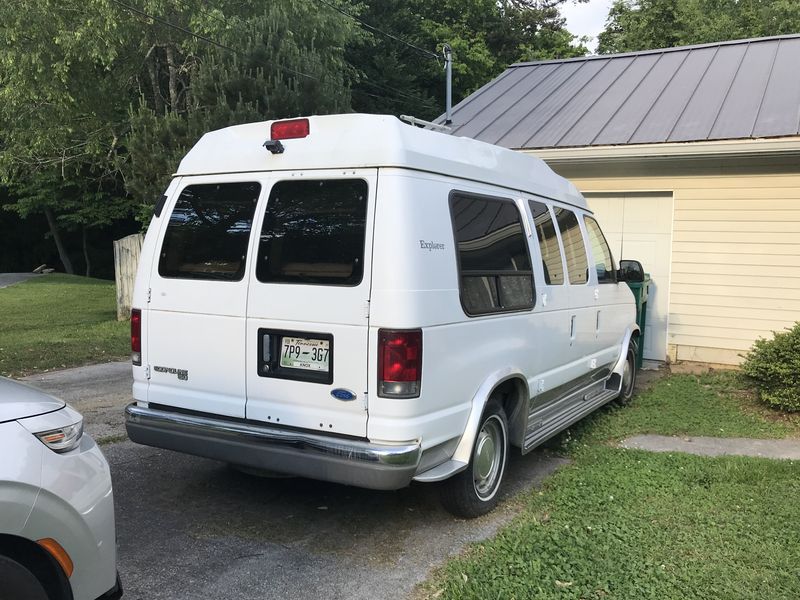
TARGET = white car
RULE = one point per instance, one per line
(57, 539)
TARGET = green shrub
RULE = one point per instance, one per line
(775, 366)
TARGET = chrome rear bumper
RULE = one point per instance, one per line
(261, 446)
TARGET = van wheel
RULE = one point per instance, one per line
(18, 582)
(474, 491)
(629, 373)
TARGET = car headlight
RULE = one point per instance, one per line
(62, 439)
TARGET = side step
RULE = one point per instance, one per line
(576, 406)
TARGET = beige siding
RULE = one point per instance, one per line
(735, 268)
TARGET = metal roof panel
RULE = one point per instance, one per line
(510, 120)
(669, 106)
(550, 106)
(630, 115)
(584, 131)
(503, 101)
(780, 110)
(698, 117)
(473, 113)
(561, 123)
(730, 90)
(737, 116)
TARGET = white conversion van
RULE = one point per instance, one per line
(353, 299)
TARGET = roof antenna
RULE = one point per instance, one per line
(448, 68)
(443, 127)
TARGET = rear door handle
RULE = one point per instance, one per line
(572, 328)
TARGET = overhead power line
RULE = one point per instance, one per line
(380, 31)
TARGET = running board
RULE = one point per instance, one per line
(580, 404)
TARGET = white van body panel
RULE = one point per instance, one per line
(339, 311)
(552, 362)
(421, 290)
(141, 290)
(197, 327)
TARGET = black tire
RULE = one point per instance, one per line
(18, 583)
(629, 374)
(475, 490)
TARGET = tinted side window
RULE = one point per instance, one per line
(574, 248)
(548, 244)
(603, 261)
(314, 233)
(493, 255)
(208, 231)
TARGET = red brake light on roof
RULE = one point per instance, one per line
(399, 363)
(289, 130)
(136, 336)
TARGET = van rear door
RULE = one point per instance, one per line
(308, 302)
(195, 318)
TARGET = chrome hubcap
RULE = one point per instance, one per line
(627, 373)
(484, 456)
(488, 459)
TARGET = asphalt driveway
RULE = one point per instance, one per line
(192, 528)
(7, 279)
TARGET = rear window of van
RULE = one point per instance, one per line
(208, 232)
(314, 232)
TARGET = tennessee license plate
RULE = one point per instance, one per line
(305, 353)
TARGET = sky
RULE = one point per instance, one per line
(586, 19)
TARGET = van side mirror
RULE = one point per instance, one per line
(630, 270)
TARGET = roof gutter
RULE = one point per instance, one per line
(784, 146)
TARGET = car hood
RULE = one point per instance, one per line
(18, 401)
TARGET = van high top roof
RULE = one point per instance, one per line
(359, 141)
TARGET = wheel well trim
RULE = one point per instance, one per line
(633, 330)
(481, 398)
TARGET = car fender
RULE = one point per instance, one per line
(463, 452)
(20, 478)
(632, 330)
(75, 507)
(16, 503)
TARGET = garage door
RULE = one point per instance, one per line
(639, 227)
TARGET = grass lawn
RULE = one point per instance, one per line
(632, 524)
(717, 404)
(57, 321)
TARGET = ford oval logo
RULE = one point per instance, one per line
(343, 394)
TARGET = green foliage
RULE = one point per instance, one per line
(486, 36)
(644, 24)
(56, 63)
(718, 404)
(287, 60)
(99, 102)
(57, 321)
(775, 366)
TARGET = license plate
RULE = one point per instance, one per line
(305, 353)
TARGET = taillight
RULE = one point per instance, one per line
(399, 363)
(289, 130)
(136, 336)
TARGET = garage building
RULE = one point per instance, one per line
(690, 158)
